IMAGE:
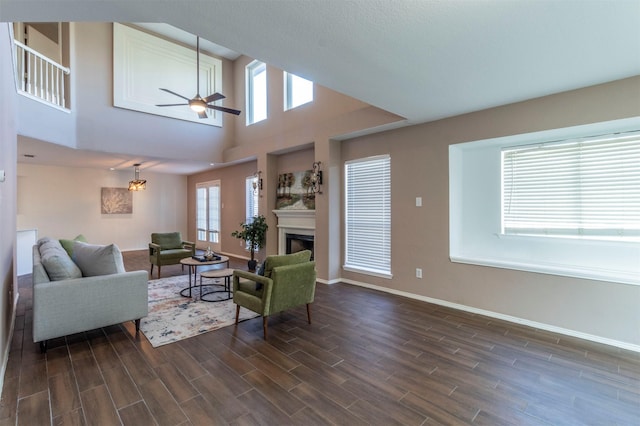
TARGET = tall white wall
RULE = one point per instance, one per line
(62, 202)
(8, 138)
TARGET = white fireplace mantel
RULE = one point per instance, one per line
(301, 222)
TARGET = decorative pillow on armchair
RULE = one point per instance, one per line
(96, 260)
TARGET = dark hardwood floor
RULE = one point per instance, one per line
(368, 358)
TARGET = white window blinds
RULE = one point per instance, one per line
(368, 215)
(581, 188)
(251, 198)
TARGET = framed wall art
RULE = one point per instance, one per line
(116, 201)
(295, 191)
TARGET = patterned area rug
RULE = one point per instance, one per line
(173, 317)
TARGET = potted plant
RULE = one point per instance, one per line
(254, 232)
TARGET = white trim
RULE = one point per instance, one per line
(302, 222)
(7, 349)
(503, 317)
(612, 276)
(329, 282)
(143, 63)
(474, 219)
(43, 101)
(367, 272)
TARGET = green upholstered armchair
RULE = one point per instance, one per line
(168, 248)
(288, 281)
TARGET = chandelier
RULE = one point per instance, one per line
(137, 184)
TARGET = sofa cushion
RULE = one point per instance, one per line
(68, 244)
(56, 261)
(96, 260)
(285, 259)
(167, 240)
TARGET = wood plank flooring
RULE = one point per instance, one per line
(368, 358)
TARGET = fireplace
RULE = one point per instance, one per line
(299, 242)
(301, 225)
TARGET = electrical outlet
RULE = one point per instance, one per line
(418, 201)
(418, 273)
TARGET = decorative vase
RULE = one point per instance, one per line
(208, 255)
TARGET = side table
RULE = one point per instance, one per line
(225, 274)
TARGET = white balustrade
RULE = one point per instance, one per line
(40, 76)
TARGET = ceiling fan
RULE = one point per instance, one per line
(199, 104)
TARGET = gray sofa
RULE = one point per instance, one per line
(83, 291)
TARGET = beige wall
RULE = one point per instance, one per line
(232, 190)
(419, 161)
(8, 138)
(232, 193)
(95, 124)
(62, 202)
(420, 236)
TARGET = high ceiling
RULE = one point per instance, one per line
(420, 59)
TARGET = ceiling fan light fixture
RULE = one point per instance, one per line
(197, 105)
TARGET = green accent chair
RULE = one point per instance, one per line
(288, 281)
(168, 248)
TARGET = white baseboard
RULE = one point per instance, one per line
(497, 315)
(7, 346)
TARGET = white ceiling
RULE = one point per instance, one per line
(420, 59)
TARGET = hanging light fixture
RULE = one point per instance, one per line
(257, 182)
(316, 178)
(137, 184)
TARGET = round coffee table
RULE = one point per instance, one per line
(193, 269)
(225, 274)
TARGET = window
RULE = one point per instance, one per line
(585, 230)
(256, 89)
(208, 213)
(368, 216)
(297, 91)
(582, 188)
(251, 201)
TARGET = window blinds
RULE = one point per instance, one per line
(368, 214)
(588, 187)
(251, 198)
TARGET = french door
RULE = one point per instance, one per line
(208, 215)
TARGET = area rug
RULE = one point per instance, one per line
(173, 317)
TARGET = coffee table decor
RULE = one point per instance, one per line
(173, 317)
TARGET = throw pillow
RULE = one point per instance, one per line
(96, 260)
(56, 261)
(68, 244)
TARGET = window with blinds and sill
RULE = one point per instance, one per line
(565, 202)
(368, 216)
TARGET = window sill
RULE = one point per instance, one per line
(371, 272)
(614, 276)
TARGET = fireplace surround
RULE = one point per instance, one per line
(301, 224)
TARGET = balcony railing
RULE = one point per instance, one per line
(39, 76)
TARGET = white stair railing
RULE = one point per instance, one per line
(40, 76)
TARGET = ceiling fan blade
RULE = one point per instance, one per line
(163, 105)
(223, 109)
(174, 93)
(202, 114)
(214, 97)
